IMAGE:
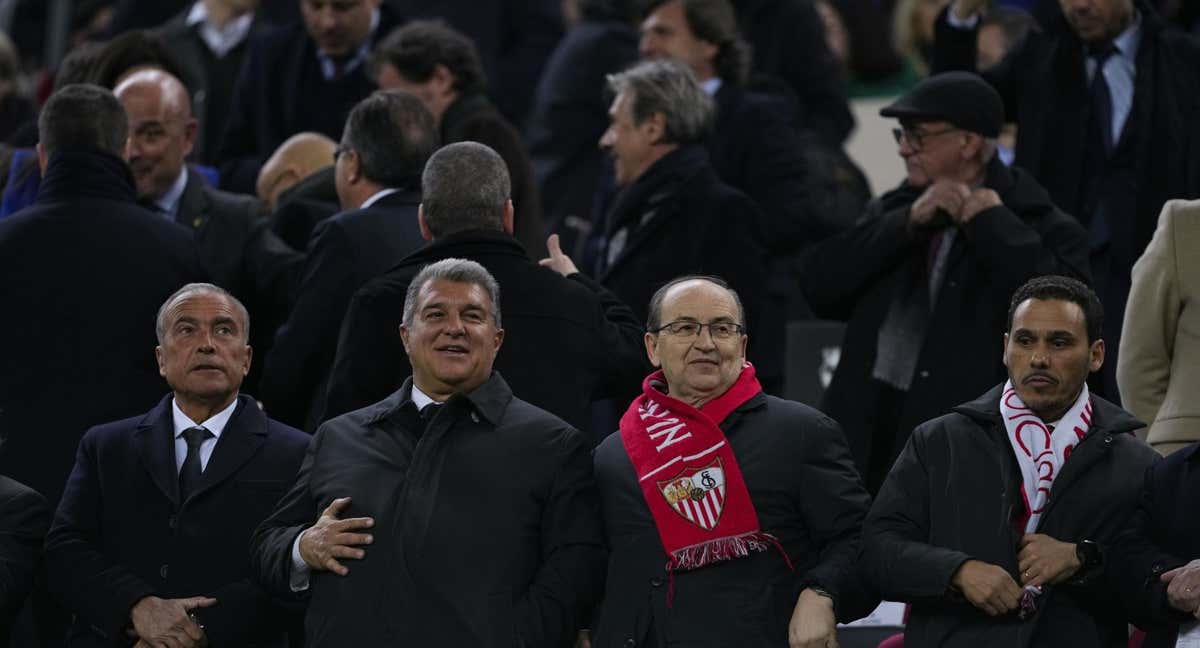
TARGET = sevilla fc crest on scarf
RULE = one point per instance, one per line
(698, 494)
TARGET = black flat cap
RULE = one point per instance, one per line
(961, 98)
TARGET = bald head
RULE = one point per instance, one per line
(162, 130)
(296, 159)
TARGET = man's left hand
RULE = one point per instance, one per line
(1044, 560)
(558, 261)
(1183, 589)
(978, 201)
(813, 624)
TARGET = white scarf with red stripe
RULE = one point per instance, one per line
(1040, 451)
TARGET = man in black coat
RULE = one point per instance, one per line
(389, 136)
(305, 76)
(1026, 568)
(209, 40)
(237, 247)
(1109, 153)
(149, 539)
(24, 518)
(85, 231)
(673, 215)
(442, 67)
(1156, 560)
(796, 468)
(923, 278)
(466, 212)
(484, 505)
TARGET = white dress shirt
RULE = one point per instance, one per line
(169, 202)
(215, 424)
(220, 40)
(376, 197)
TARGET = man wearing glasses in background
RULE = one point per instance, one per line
(732, 517)
(923, 280)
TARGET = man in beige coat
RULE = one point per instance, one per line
(1158, 369)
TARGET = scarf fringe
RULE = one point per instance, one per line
(721, 549)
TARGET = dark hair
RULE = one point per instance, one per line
(1015, 23)
(465, 186)
(1056, 287)
(624, 11)
(78, 65)
(654, 315)
(393, 135)
(137, 48)
(80, 117)
(716, 22)
(418, 46)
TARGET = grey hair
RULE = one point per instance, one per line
(458, 271)
(464, 186)
(664, 86)
(160, 321)
(654, 316)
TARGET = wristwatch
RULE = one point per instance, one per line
(1089, 555)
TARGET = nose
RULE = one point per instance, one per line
(606, 140)
(326, 21)
(1040, 358)
(704, 339)
(645, 47)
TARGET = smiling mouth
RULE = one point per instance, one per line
(206, 368)
(452, 349)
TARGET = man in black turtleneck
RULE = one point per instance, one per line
(82, 271)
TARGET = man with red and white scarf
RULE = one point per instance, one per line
(994, 521)
(733, 517)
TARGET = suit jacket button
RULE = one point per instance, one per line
(162, 571)
(630, 642)
(656, 582)
(173, 521)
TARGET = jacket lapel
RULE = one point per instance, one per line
(193, 204)
(155, 440)
(240, 440)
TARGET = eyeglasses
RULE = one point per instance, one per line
(719, 330)
(916, 137)
(339, 150)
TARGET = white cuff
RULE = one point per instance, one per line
(959, 23)
(300, 569)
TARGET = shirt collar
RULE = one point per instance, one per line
(216, 424)
(330, 69)
(221, 40)
(420, 399)
(169, 202)
(1128, 41)
(377, 196)
(711, 86)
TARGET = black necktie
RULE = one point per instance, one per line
(1099, 146)
(189, 475)
(1101, 98)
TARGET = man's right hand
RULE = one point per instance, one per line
(558, 261)
(987, 587)
(167, 622)
(331, 539)
(944, 196)
(964, 9)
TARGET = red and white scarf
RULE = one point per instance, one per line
(1041, 452)
(689, 476)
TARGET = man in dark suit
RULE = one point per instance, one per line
(299, 77)
(24, 518)
(484, 505)
(389, 136)
(209, 39)
(466, 212)
(442, 68)
(149, 539)
(84, 231)
(1155, 563)
(673, 215)
(237, 246)
(1111, 148)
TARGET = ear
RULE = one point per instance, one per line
(745, 342)
(709, 50)
(499, 339)
(1096, 356)
(973, 142)
(426, 233)
(651, 341)
(404, 339)
(158, 356)
(189, 136)
(1004, 351)
(42, 158)
(508, 217)
(246, 365)
(442, 80)
(656, 127)
(354, 166)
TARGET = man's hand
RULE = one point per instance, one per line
(977, 201)
(813, 624)
(1043, 560)
(331, 539)
(964, 9)
(987, 586)
(1183, 589)
(557, 261)
(166, 623)
(942, 196)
